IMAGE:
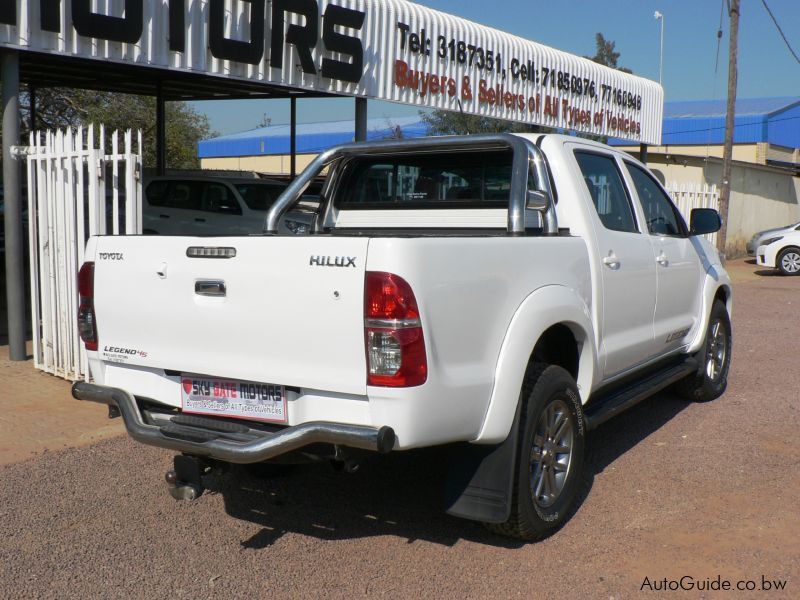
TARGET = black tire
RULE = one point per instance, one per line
(715, 360)
(788, 262)
(536, 514)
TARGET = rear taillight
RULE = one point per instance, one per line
(87, 323)
(393, 332)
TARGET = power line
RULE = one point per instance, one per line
(719, 37)
(774, 20)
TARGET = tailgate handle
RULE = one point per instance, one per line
(209, 287)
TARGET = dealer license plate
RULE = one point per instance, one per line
(233, 398)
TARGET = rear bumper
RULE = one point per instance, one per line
(224, 440)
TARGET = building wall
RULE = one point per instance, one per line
(741, 152)
(271, 164)
(761, 197)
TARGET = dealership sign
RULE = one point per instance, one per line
(385, 49)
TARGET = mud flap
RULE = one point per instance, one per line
(480, 479)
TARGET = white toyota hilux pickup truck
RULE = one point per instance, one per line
(499, 294)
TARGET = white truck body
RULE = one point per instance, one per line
(293, 313)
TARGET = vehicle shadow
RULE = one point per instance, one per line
(768, 273)
(400, 494)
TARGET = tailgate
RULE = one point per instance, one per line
(291, 313)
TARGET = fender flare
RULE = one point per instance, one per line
(543, 308)
(715, 280)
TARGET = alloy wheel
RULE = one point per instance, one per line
(551, 453)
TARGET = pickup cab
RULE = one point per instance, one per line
(500, 294)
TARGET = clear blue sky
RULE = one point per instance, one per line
(766, 67)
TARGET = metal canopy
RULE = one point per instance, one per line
(389, 50)
(48, 70)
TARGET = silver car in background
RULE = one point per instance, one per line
(758, 239)
(196, 205)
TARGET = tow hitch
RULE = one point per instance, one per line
(185, 481)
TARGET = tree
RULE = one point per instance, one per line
(606, 54)
(264, 122)
(445, 122)
(58, 108)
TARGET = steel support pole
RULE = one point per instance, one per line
(161, 132)
(292, 137)
(15, 268)
(643, 153)
(730, 121)
(361, 120)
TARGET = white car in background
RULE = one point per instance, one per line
(193, 205)
(758, 238)
(781, 251)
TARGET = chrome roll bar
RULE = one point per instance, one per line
(528, 161)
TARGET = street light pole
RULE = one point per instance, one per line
(660, 17)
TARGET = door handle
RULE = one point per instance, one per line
(163, 216)
(611, 261)
(198, 220)
(210, 287)
(662, 259)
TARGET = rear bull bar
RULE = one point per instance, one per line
(212, 443)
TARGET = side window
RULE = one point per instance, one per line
(217, 198)
(661, 215)
(259, 196)
(610, 198)
(156, 192)
(182, 194)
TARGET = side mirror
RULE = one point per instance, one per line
(537, 200)
(704, 220)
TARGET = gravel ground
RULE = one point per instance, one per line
(672, 489)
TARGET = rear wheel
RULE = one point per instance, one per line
(550, 454)
(789, 261)
(710, 382)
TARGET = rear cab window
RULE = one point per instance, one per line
(428, 181)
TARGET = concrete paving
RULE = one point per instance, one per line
(38, 413)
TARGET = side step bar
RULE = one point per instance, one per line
(227, 441)
(605, 407)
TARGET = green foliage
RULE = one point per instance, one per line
(606, 54)
(445, 122)
(61, 107)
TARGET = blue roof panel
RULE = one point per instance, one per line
(718, 108)
(702, 122)
(696, 122)
(311, 137)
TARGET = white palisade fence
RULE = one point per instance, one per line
(76, 188)
(694, 195)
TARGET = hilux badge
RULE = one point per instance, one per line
(332, 261)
